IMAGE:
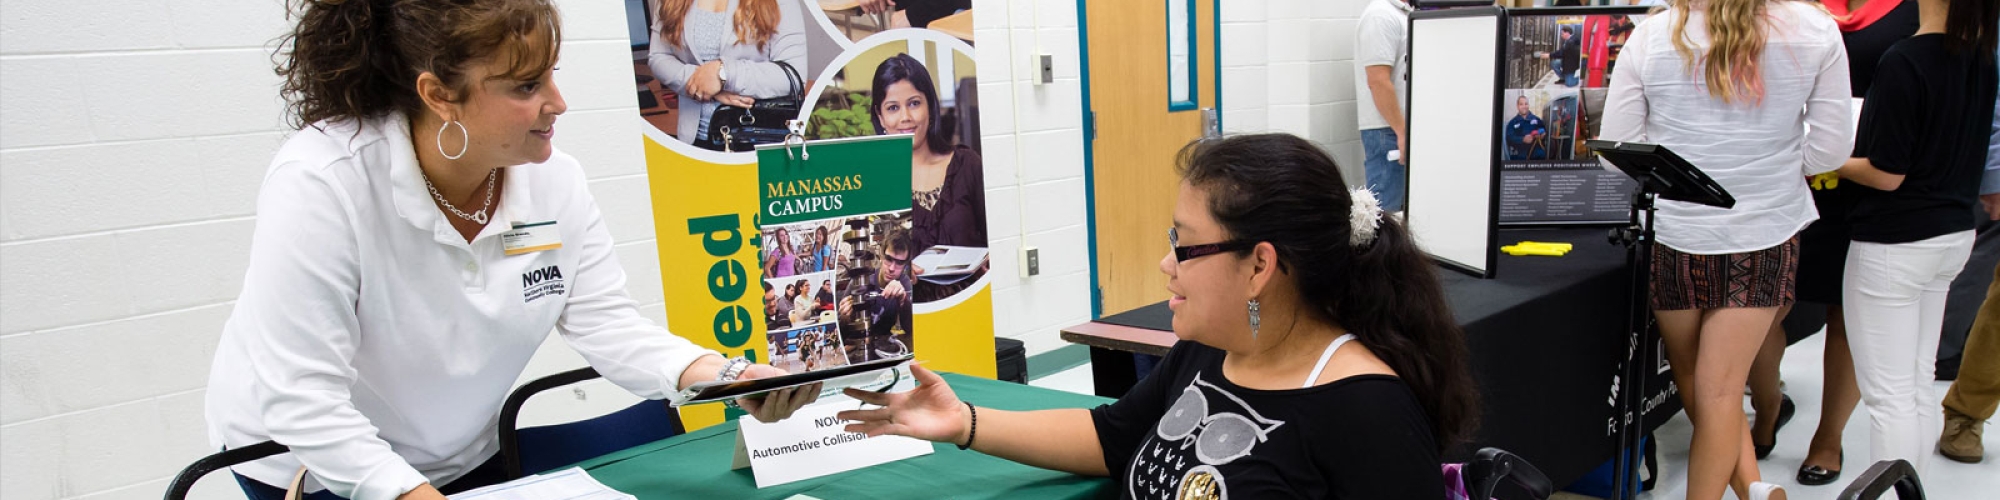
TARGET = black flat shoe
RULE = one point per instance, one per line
(1785, 411)
(1813, 475)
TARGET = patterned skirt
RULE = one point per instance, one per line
(1762, 278)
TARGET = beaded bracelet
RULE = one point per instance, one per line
(974, 432)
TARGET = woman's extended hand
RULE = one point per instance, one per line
(931, 412)
(779, 404)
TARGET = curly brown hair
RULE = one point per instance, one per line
(353, 59)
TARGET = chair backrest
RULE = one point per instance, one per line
(540, 449)
(1882, 477)
(1478, 478)
(184, 481)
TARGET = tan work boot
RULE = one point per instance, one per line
(1961, 439)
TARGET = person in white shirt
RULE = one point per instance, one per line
(1733, 109)
(1380, 49)
(416, 240)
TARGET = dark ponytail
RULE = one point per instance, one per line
(353, 59)
(1281, 189)
(1969, 25)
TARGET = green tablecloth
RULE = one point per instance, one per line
(696, 464)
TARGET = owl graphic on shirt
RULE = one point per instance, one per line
(1206, 427)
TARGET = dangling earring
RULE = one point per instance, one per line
(465, 142)
(1254, 319)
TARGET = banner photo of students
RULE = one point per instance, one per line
(714, 79)
(837, 252)
(1558, 73)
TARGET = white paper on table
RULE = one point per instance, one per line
(569, 484)
(814, 443)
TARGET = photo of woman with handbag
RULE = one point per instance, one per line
(727, 55)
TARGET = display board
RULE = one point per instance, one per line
(1452, 186)
(1558, 65)
(907, 70)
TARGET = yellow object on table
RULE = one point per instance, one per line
(1553, 249)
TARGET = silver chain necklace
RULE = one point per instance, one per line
(479, 216)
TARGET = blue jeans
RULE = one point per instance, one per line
(1569, 78)
(1387, 178)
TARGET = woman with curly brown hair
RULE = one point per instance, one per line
(388, 309)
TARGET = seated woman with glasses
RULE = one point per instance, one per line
(1318, 357)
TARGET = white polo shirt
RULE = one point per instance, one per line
(378, 345)
(1381, 38)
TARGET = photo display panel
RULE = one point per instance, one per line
(1558, 65)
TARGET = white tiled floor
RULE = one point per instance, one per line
(1944, 479)
(1075, 380)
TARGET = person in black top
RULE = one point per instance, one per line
(1867, 29)
(1920, 152)
(1318, 358)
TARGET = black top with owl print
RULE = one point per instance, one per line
(1187, 432)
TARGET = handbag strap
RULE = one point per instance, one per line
(792, 77)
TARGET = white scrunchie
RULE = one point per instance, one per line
(1364, 216)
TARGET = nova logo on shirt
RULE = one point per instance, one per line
(541, 283)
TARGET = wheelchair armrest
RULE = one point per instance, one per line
(1883, 476)
(1490, 465)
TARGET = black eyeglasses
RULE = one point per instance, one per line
(1183, 253)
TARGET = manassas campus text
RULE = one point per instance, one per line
(806, 196)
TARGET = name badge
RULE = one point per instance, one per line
(531, 237)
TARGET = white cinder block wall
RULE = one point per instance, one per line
(133, 138)
(1288, 66)
(1033, 142)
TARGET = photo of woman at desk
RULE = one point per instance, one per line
(1317, 356)
(416, 241)
(947, 180)
(713, 53)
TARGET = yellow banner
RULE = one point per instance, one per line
(704, 214)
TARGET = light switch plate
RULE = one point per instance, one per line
(1031, 261)
(1045, 69)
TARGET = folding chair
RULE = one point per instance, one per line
(1883, 476)
(1478, 478)
(540, 449)
(184, 481)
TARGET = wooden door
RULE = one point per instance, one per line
(1136, 137)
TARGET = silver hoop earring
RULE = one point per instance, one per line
(465, 143)
(1254, 318)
